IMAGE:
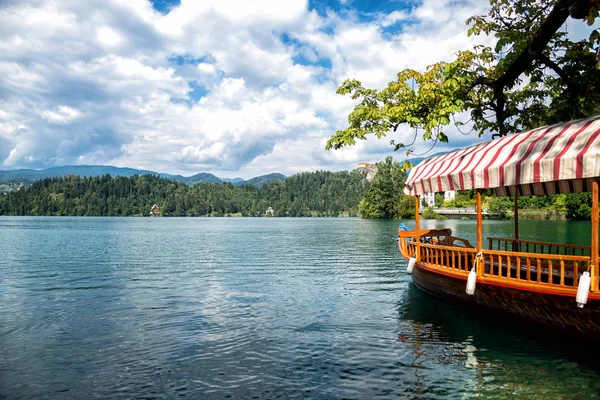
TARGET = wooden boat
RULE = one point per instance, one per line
(542, 282)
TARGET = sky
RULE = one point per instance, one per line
(232, 87)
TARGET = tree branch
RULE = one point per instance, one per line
(573, 86)
(481, 80)
(533, 51)
(538, 43)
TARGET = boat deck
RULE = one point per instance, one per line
(516, 263)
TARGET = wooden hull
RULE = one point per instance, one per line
(553, 311)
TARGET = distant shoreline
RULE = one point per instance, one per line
(184, 217)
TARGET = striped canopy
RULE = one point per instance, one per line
(559, 158)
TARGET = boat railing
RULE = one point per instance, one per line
(522, 269)
(457, 259)
(557, 270)
(532, 246)
(441, 237)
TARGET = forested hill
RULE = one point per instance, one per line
(318, 193)
(28, 175)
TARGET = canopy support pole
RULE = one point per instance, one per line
(594, 247)
(418, 228)
(479, 228)
(516, 246)
(516, 217)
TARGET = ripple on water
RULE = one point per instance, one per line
(248, 308)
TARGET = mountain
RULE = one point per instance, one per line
(202, 177)
(80, 170)
(23, 176)
(261, 180)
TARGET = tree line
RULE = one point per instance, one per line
(576, 206)
(320, 193)
(385, 199)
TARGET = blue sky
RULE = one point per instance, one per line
(230, 87)
(164, 6)
(364, 7)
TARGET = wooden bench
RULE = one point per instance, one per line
(443, 237)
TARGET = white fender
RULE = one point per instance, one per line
(411, 265)
(471, 282)
(583, 289)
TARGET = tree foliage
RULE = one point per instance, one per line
(575, 205)
(382, 200)
(500, 206)
(579, 206)
(318, 193)
(534, 75)
(429, 213)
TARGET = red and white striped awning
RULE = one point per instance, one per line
(552, 159)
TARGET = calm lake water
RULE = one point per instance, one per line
(258, 308)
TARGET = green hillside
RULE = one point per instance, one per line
(26, 176)
(320, 193)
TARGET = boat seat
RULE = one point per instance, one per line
(437, 236)
(464, 242)
(444, 237)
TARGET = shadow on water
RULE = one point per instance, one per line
(495, 356)
(498, 334)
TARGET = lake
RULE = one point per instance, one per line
(259, 308)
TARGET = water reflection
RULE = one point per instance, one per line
(505, 357)
(250, 308)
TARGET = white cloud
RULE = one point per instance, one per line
(207, 68)
(108, 37)
(393, 18)
(231, 87)
(203, 156)
(62, 115)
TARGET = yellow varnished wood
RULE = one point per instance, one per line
(418, 227)
(558, 247)
(594, 250)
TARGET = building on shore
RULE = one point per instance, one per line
(154, 211)
(429, 198)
